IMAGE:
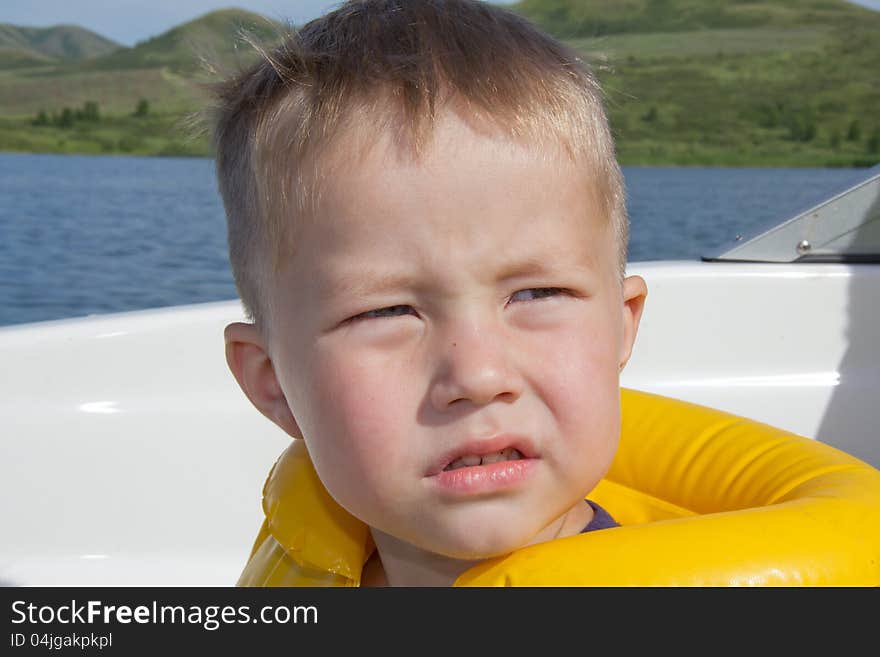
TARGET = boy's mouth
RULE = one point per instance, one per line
(485, 451)
(508, 454)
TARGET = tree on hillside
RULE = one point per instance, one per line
(855, 131)
(143, 107)
(66, 118)
(801, 125)
(874, 143)
(835, 140)
(90, 111)
(41, 119)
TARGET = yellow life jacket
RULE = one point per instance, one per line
(705, 498)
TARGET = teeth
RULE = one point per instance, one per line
(509, 454)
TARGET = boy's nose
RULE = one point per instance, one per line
(474, 365)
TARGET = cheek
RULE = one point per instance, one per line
(355, 421)
(581, 385)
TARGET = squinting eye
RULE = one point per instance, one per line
(390, 311)
(542, 292)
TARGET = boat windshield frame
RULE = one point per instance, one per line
(844, 228)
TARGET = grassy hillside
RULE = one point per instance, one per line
(588, 18)
(67, 42)
(780, 82)
(787, 92)
(216, 36)
(141, 97)
(12, 57)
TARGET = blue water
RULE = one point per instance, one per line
(85, 235)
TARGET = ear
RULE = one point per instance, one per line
(249, 361)
(635, 291)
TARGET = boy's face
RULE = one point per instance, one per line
(443, 313)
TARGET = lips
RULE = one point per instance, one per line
(484, 447)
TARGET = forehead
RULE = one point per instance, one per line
(472, 197)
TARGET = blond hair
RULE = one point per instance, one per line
(391, 65)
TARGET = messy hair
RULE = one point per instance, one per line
(390, 66)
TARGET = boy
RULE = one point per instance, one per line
(427, 229)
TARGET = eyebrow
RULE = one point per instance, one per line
(363, 283)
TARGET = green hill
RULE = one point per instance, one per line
(589, 18)
(790, 90)
(15, 57)
(68, 42)
(131, 100)
(710, 82)
(216, 36)
(165, 70)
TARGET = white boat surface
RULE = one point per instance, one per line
(131, 458)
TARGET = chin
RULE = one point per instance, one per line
(483, 543)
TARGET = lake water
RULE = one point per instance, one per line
(81, 235)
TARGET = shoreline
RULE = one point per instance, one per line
(695, 162)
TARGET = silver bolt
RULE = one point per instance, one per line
(803, 247)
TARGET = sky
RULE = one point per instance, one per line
(130, 21)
